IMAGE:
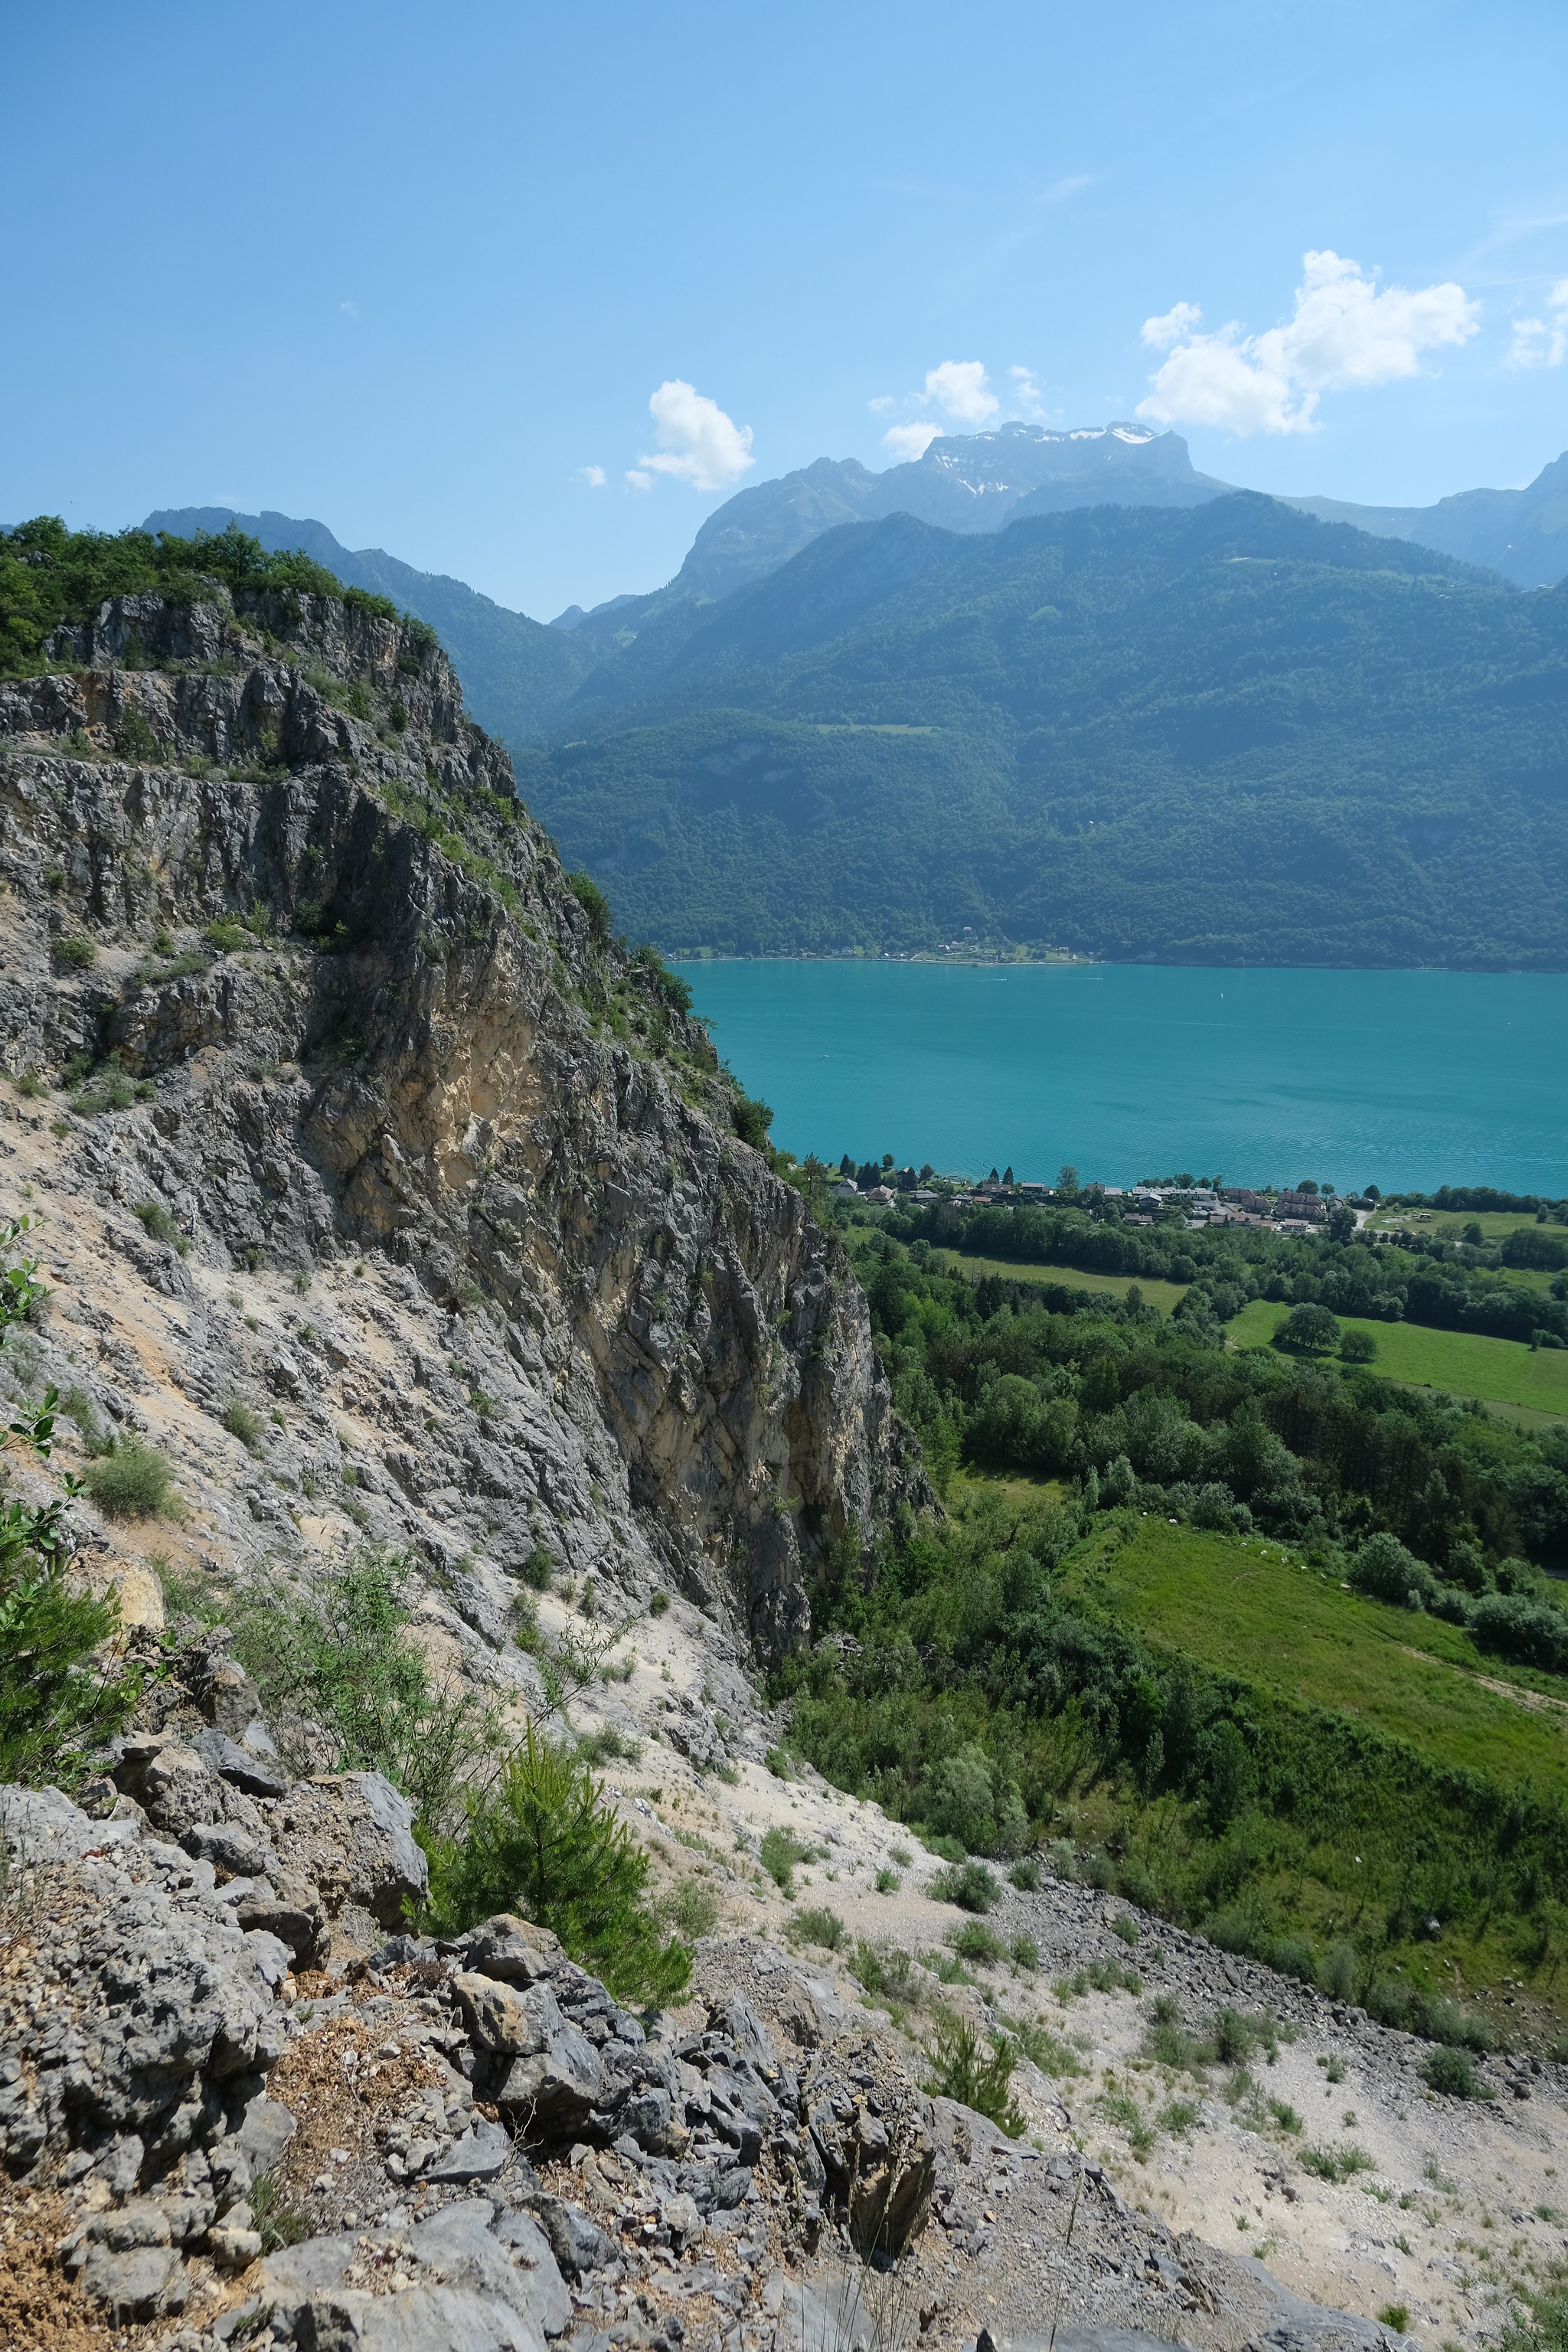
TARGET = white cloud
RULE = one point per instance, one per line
(696, 442)
(1543, 342)
(1343, 333)
(961, 388)
(1028, 400)
(348, 310)
(883, 406)
(1171, 326)
(593, 475)
(909, 441)
(638, 480)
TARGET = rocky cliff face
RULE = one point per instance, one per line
(273, 893)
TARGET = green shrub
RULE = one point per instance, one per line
(658, 1603)
(110, 1089)
(1336, 2164)
(131, 1482)
(276, 2224)
(968, 1884)
(975, 1942)
(544, 1842)
(226, 934)
(58, 1702)
(1387, 1572)
(608, 1747)
(1025, 1875)
(888, 1881)
(1396, 2316)
(751, 1121)
(1433, 2016)
(75, 953)
(162, 1225)
(817, 1925)
(960, 2069)
(78, 1407)
(692, 1908)
(1293, 1955)
(1358, 1347)
(133, 738)
(1453, 2072)
(779, 1853)
(1340, 1971)
(594, 905)
(889, 1974)
(346, 1661)
(1125, 1927)
(243, 1420)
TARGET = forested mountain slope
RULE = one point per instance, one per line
(1231, 735)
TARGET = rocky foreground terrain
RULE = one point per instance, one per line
(394, 1202)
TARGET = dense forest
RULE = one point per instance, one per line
(1229, 735)
(1002, 1678)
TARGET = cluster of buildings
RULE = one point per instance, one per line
(1236, 1205)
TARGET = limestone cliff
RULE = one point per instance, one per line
(268, 890)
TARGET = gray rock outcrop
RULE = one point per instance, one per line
(420, 1047)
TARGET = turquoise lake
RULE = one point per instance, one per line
(1404, 1079)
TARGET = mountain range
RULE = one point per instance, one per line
(521, 676)
(1053, 689)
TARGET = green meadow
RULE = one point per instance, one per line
(1162, 1295)
(1243, 1607)
(1465, 1363)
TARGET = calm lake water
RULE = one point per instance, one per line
(1404, 1079)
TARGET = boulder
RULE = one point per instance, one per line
(512, 1950)
(874, 2136)
(578, 2243)
(143, 2284)
(352, 1835)
(482, 2152)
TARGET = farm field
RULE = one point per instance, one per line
(1162, 1295)
(1465, 1363)
(1241, 1607)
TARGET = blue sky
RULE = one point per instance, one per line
(419, 273)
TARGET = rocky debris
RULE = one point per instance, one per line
(751, 2166)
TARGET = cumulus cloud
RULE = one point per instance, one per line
(1543, 342)
(961, 389)
(908, 441)
(696, 442)
(637, 480)
(593, 475)
(1171, 326)
(1343, 333)
(883, 406)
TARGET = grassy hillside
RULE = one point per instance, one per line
(1235, 734)
(1253, 1609)
(1465, 1363)
(1165, 1638)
